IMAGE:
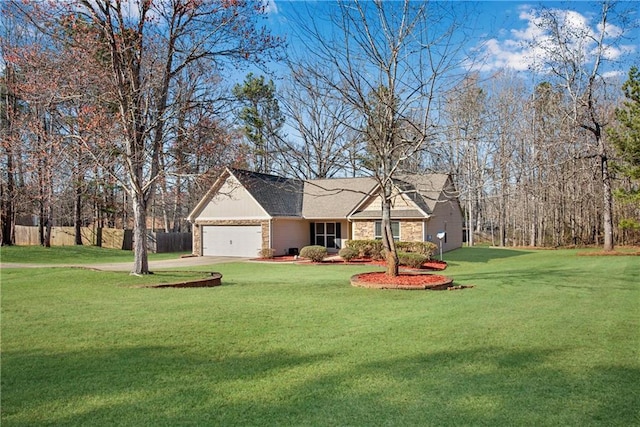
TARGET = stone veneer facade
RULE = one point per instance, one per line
(197, 231)
(410, 230)
(363, 230)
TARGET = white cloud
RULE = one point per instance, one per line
(270, 7)
(610, 75)
(531, 31)
(611, 31)
(532, 45)
(614, 53)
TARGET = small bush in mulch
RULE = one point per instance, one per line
(374, 248)
(367, 248)
(348, 254)
(315, 253)
(411, 259)
(423, 248)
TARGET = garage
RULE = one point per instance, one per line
(232, 240)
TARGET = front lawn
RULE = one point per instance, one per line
(543, 338)
(71, 255)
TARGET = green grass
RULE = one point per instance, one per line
(70, 255)
(544, 338)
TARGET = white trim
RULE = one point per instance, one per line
(366, 198)
(208, 196)
(401, 194)
(424, 230)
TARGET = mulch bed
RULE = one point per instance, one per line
(429, 265)
(610, 253)
(284, 258)
(408, 281)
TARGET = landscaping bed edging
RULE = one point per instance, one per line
(215, 279)
(379, 280)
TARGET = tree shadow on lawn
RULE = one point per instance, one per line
(479, 255)
(557, 278)
(155, 377)
(170, 386)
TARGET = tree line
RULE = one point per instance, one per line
(122, 114)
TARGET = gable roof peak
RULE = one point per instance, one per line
(244, 173)
(277, 195)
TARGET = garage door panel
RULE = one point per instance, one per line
(232, 240)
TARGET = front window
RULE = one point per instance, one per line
(395, 230)
(326, 234)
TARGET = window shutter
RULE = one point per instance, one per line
(338, 231)
(312, 234)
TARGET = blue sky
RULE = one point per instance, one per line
(503, 31)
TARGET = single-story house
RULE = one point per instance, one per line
(245, 212)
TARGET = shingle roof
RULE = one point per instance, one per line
(277, 195)
(397, 214)
(336, 197)
(426, 188)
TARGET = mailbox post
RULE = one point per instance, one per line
(440, 236)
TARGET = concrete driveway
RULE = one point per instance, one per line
(128, 266)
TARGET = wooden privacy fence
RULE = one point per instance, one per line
(112, 238)
(160, 242)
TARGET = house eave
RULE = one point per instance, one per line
(398, 215)
(371, 193)
(219, 218)
(208, 196)
(332, 218)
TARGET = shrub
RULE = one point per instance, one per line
(267, 253)
(348, 254)
(357, 245)
(367, 248)
(424, 248)
(377, 252)
(373, 248)
(314, 253)
(411, 259)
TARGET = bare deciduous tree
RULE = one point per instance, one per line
(386, 62)
(574, 55)
(145, 46)
(321, 122)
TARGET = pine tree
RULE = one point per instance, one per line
(625, 136)
(261, 118)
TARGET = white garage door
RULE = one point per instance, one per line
(232, 240)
